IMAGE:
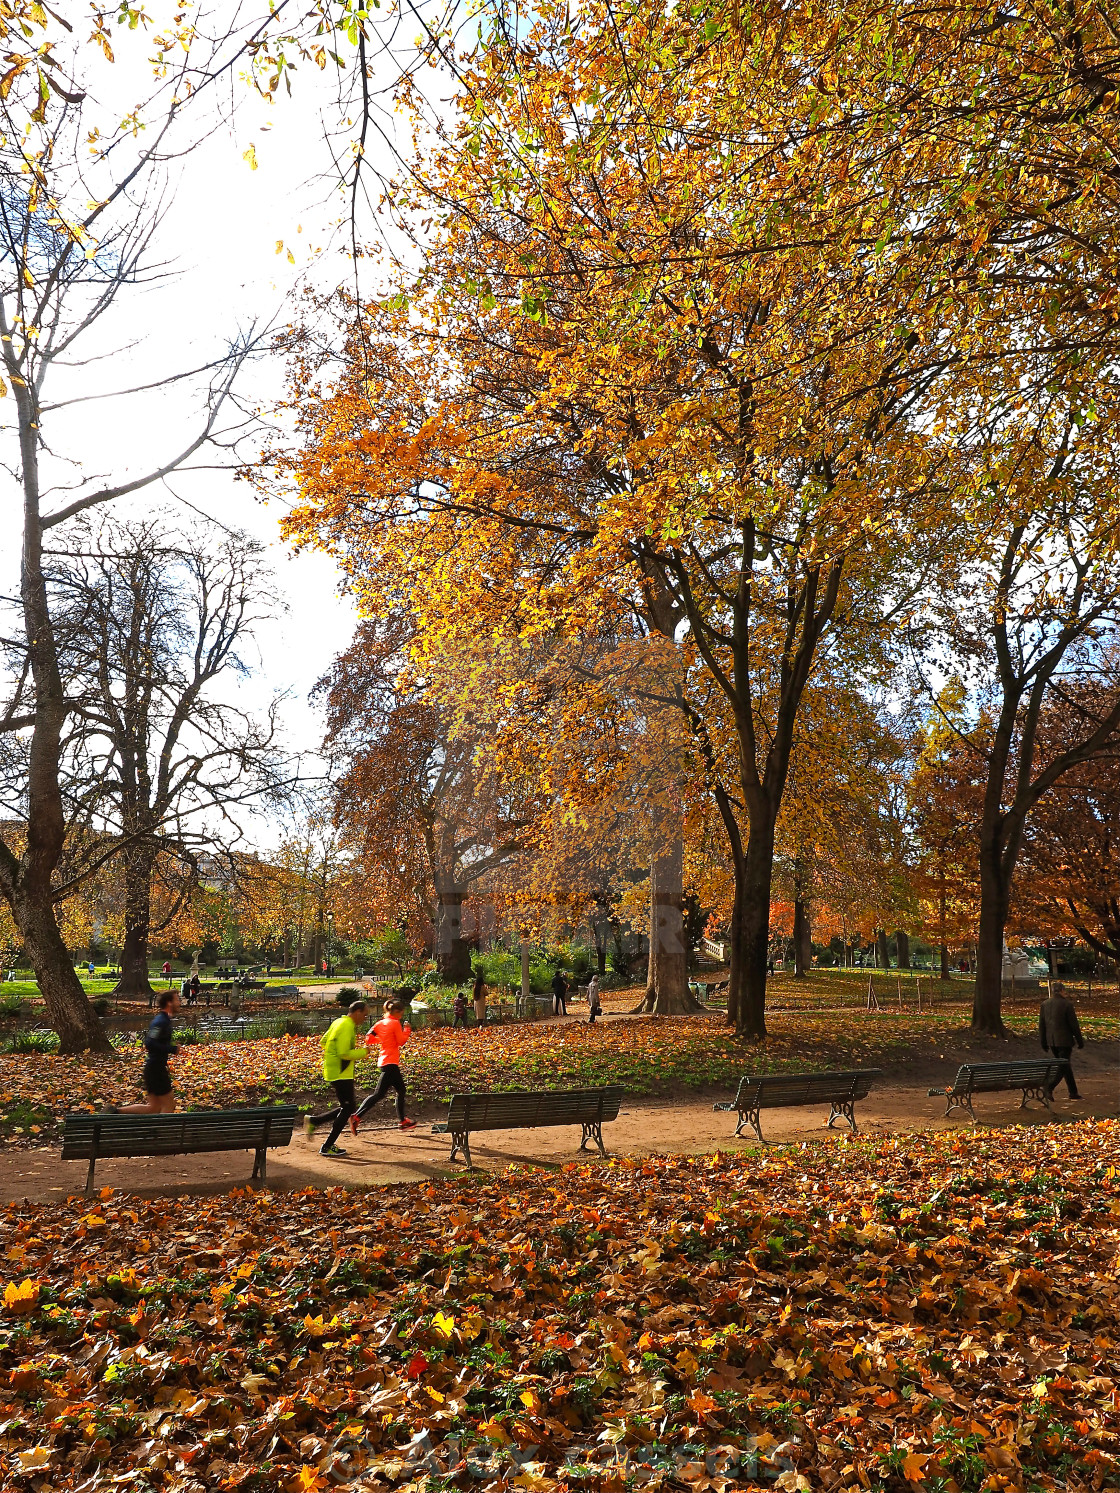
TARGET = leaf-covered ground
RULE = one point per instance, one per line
(647, 1056)
(932, 1314)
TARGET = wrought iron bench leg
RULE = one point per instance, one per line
(461, 1142)
(751, 1117)
(593, 1130)
(1040, 1092)
(847, 1108)
(260, 1166)
(89, 1175)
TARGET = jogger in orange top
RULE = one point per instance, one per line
(391, 1036)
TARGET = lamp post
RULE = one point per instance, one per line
(330, 936)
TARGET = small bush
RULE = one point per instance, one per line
(102, 1005)
(348, 995)
(32, 1042)
(11, 1005)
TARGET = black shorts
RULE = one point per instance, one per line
(157, 1080)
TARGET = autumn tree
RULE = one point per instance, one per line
(648, 351)
(408, 794)
(1035, 597)
(1068, 881)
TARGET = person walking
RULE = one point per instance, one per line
(1058, 1030)
(159, 1041)
(460, 1009)
(559, 994)
(594, 1004)
(340, 1049)
(478, 996)
(390, 1035)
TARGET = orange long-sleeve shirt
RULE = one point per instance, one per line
(391, 1036)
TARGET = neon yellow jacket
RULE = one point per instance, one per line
(340, 1049)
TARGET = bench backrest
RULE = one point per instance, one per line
(524, 1108)
(177, 1134)
(986, 1078)
(788, 1089)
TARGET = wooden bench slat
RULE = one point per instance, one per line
(1035, 1077)
(840, 1090)
(530, 1109)
(183, 1132)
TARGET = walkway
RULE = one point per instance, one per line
(382, 1154)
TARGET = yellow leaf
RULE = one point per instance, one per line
(443, 1325)
(22, 1298)
(914, 1466)
(38, 1456)
(494, 1431)
(250, 155)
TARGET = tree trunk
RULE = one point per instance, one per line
(599, 927)
(134, 979)
(902, 943)
(68, 1009)
(883, 949)
(750, 935)
(802, 942)
(987, 1002)
(26, 880)
(667, 992)
(944, 945)
(452, 952)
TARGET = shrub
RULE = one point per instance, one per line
(499, 967)
(102, 1005)
(348, 995)
(11, 1005)
(32, 1042)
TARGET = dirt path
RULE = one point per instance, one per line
(685, 1126)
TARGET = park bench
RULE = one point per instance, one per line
(1036, 1079)
(184, 1133)
(590, 1108)
(790, 1090)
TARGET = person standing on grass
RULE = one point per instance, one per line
(594, 1004)
(1058, 1030)
(460, 1009)
(478, 995)
(159, 1040)
(390, 1035)
(559, 994)
(340, 1049)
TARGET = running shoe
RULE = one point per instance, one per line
(331, 1151)
(408, 1124)
(354, 1123)
(308, 1126)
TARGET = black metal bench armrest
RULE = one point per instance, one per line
(942, 1093)
(729, 1105)
(439, 1129)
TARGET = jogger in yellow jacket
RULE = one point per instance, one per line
(340, 1050)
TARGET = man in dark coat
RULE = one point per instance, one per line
(1058, 1030)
